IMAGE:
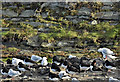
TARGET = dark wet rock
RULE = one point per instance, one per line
(68, 49)
(44, 71)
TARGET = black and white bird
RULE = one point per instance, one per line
(4, 71)
(71, 69)
(9, 61)
(109, 65)
(63, 75)
(53, 76)
(75, 79)
(65, 64)
(84, 64)
(56, 60)
(29, 62)
(21, 57)
(55, 67)
(22, 67)
(107, 53)
(93, 67)
(111, 79)
(36, 58)
(74, 60)
(15, 61)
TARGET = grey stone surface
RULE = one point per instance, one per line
(43, 29)
(84, 11)
(108, 15)
(107, 8)
(83, 17)
(67, 49)
(9, 13)
(13, 6)
(44, 15)
(75, 21)
(71, 17)
(108, 3)
(34, 24)
(62, 44)
(33, 41)
(27, 13)
(49, 45)
(16, 19)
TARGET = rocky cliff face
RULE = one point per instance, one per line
(61, 26)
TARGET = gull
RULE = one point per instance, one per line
(84, 64)
(107, 53)
(56, 60)
(94, 22)
(72, 70)
(109, 65)
(13, 73)
(53, 76)
(63, 75)
(15, 61)
(94, 67)
(22, 67)
(55, 67)
(71, 56)
(29, 62)
(4, 71)
(44, 61)
(111, 79)
(36, 58)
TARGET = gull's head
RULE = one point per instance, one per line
(100, 49)
(14, 58)
(44, 58)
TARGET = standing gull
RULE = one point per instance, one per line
(105, 52)
(13, 73)
(44, 61)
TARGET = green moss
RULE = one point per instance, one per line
(12, 49)
(5, 59)
(50, 60)
(4, 33)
